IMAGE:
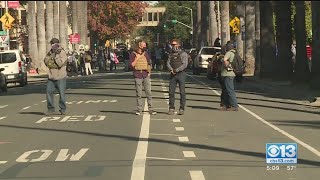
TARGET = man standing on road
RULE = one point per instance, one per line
(227, 76)
(56, 61)
(177, 63)
(141, 64)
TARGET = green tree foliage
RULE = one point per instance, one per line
(308, 20)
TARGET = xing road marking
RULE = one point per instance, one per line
(188, 154)
(179, 128)
(160, 158)
(26, 107)
(91, 101)
(3, 106)
(62, 156)
(139, 163)
(196, 175)
(3, 162)
(176, 120)
(89, 118)
(310, 148)
(2, 117)
(166, 94)
(183, 139)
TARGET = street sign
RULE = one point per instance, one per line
(235, 24)
(107, 43)
(74, 38)
(13, 4)
(3, 33)
(4, 41)
(7, 19)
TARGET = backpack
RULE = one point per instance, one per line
(237, 64)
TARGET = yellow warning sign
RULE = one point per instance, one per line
(7, 20)
(235, 24)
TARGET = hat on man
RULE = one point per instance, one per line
(54, 40)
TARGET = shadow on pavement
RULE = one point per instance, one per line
(33, 113)
(307, 124)
(203, 107)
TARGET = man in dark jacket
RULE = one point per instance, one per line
(177, 63)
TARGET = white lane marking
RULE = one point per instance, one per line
(3, 106)
(166, 94)
(2, 117)
(155, 134)
(183, 139)
(166, 97)
(188, 154)
(139, 163)
(176, 120)
(196, 175)
(179, 128)
(3, 162)
(160, 119)
(26, 107)
(113, 101)
(162, 83)
(44, 101)
(169, 159)
(307, 146)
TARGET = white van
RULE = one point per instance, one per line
(13, 63)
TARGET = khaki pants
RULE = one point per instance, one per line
(88, 68)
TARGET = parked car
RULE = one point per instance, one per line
(213, 66)
(200, 62)
(3, 82)
(13, 63)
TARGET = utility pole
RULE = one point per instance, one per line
(198, 35)
(213, 22)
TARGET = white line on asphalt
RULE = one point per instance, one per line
(166, 94)
(26, 107)
(3, 162)
(183, 139)
(3, 106)
(139, 163)
(113, 101)
(310, 148)
(169, 159)
(44, 101)
(159, 119)
(162, 83)
(57, 94)
(179, 128)
(155, 134)
(176, 120)
(2, 117)
(188, 154)
(196, 175)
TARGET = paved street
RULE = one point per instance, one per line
(101, 138)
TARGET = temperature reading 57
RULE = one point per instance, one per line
(290, 168)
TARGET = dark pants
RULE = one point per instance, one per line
(179, 78)
(228, 95)
(223, 100)
(113, 64)
(60, 85)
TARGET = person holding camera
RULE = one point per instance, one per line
(56, 62)
(228, 94)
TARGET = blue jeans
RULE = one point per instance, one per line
(228, 93)
(179, 78)
(60, 85)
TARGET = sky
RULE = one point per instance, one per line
(151, 2)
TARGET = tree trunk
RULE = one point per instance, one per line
(268, 56)
(32, 34)
(75, 22)
(250, 43)
(198, 25)
(257, 36)
(315, 69)
(85, 23)
(284, 39)
(41, 35)
(82, 25)
(62, 22)
(49, 23)
(213, 22)
(203, 24)
(225, 28)
(56, 19)
(301, 65)
(240, 13)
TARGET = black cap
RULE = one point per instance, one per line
(54, 40)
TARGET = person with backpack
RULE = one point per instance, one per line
(87, 60)
(177, 63)
(230, 66)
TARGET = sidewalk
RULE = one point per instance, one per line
(297, 93)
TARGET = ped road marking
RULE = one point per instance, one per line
(72, 118)
(2, 117)
(3, 106)
(3, 162)
(179, 128)
(196, 175)
(183, 139)
(176, 120)
(188, 154)
(139, 162)
(307, 146)
(26, 107)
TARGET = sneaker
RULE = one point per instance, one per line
(232, 109)
(181, 112)
(62, 112)
(138, 113)
(152, 112)
(48, 113)
(171, 112)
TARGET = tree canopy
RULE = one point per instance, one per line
(114, 19)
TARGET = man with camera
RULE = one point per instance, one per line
(56, 61)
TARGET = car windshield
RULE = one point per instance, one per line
(209, 51)
(7, 58)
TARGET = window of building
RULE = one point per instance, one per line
(149, 16)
